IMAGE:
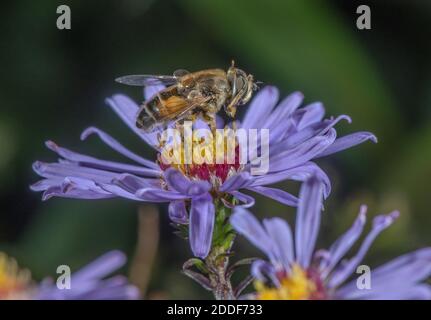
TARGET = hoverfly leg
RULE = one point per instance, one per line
(230, 109)
(179, 124)
(213, 125)
(210, 119)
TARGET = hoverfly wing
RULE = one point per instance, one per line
(180, 73)
(146, 80)
(178, 107)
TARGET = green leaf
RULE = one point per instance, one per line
(197, 263)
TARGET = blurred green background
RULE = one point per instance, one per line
(54, 82)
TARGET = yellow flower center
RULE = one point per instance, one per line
(296, 286)
(205, 155)
(14, 282)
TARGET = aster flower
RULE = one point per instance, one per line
(86, 284)
(296, 271)
(296, 137)
(14, 283)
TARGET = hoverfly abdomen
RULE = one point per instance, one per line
(145, 118)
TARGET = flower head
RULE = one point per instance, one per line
(295, 270)
(296, 136)
(86, 284)
(14, 282)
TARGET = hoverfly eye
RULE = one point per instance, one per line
(239, 83)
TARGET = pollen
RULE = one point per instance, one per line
(298, 285)
(15, 283)
(213, 157)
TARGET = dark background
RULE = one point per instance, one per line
(54, 83)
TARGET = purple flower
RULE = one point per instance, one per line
(296, 137)
(295, 270)
(87, 283)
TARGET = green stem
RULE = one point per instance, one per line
(217, 263)
(213, 270)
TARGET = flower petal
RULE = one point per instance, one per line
(246, 224)
(261, 269)
(101, 267)
(120, 192)
(44, 184)
(308, 220)
(260, 108)
(379, 224)
(277, 119)
(237, 182)
(114, 144)
(88, 282)
(294, 139)
(178, 212)
(133, 183)
(416, 292)
(281, 236)
(245, 200)
(343, 244)
(202, 215)
(127, 109)
(411, 267)
(159, 195)
(276, 194)
(313, 113)
(396, 278)
(347, 142)
(178, 182)
(286, 159)
(300, 173)
(62, 170)
(74, 193)
(91, 162)
(69, 183)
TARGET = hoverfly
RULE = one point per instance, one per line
(191, 95)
